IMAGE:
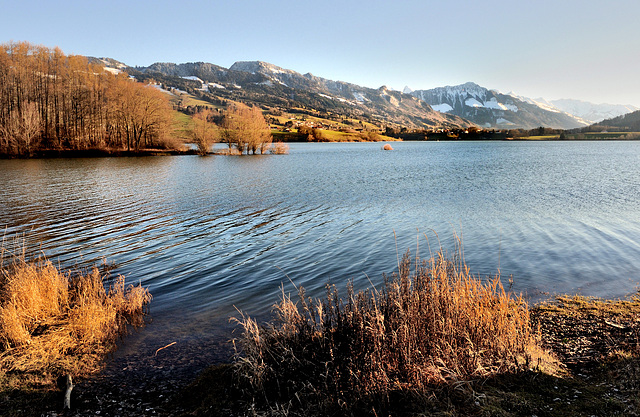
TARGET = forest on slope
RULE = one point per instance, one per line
(49, 100)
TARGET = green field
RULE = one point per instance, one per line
(543, 137)
(606, 135)
(588, 136)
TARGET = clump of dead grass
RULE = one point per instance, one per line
(431, 326)
(54, 322)
(279, 148)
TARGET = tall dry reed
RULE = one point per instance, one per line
(435, 324)
(57, 322)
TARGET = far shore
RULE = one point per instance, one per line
(101, 153)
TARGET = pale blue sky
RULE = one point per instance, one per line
(588, 50)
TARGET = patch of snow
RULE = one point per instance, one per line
(214, 85)
(493, 104)
(325, 96)
(267, 82)
(512, 107)
(502, 121)
(276, 71)
(472, 102)
(360, 98)
(442, 108)
(159, 87)
(114, 71)
(194, 78)
(237, 86)
(346, 101)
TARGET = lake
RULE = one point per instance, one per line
(212, 235)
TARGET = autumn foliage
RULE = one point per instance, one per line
(52, 101)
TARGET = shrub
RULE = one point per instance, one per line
(435, 325)
(279, 148)
(204, 131)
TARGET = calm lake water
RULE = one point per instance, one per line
(209, 235)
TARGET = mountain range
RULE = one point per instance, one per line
(464, 105)
(268, 85)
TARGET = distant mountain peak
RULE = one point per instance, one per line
(490, 108)
(583, 111)
(259, 67)
(591, 111)
(407, 90)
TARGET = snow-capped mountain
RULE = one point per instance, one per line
(593, 112)
(266, 84)
(586, 112)
(490, 108)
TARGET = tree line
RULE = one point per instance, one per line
(52, 101)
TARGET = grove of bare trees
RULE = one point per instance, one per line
(246, 129)
(52, 101)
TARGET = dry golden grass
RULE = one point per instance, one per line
(53, 322)
(431, 326)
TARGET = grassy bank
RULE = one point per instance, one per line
(55, 323)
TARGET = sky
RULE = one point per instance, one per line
(586, 50)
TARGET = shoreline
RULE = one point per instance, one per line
(593, 339)
(102, 153)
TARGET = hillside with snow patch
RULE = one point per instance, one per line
(268, 85)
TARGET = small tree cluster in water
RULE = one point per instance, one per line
(243, 128)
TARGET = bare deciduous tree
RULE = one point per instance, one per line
(204, 132)
(21, 129)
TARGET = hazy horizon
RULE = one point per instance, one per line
(573, 50)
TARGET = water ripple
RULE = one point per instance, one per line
(207, 235)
